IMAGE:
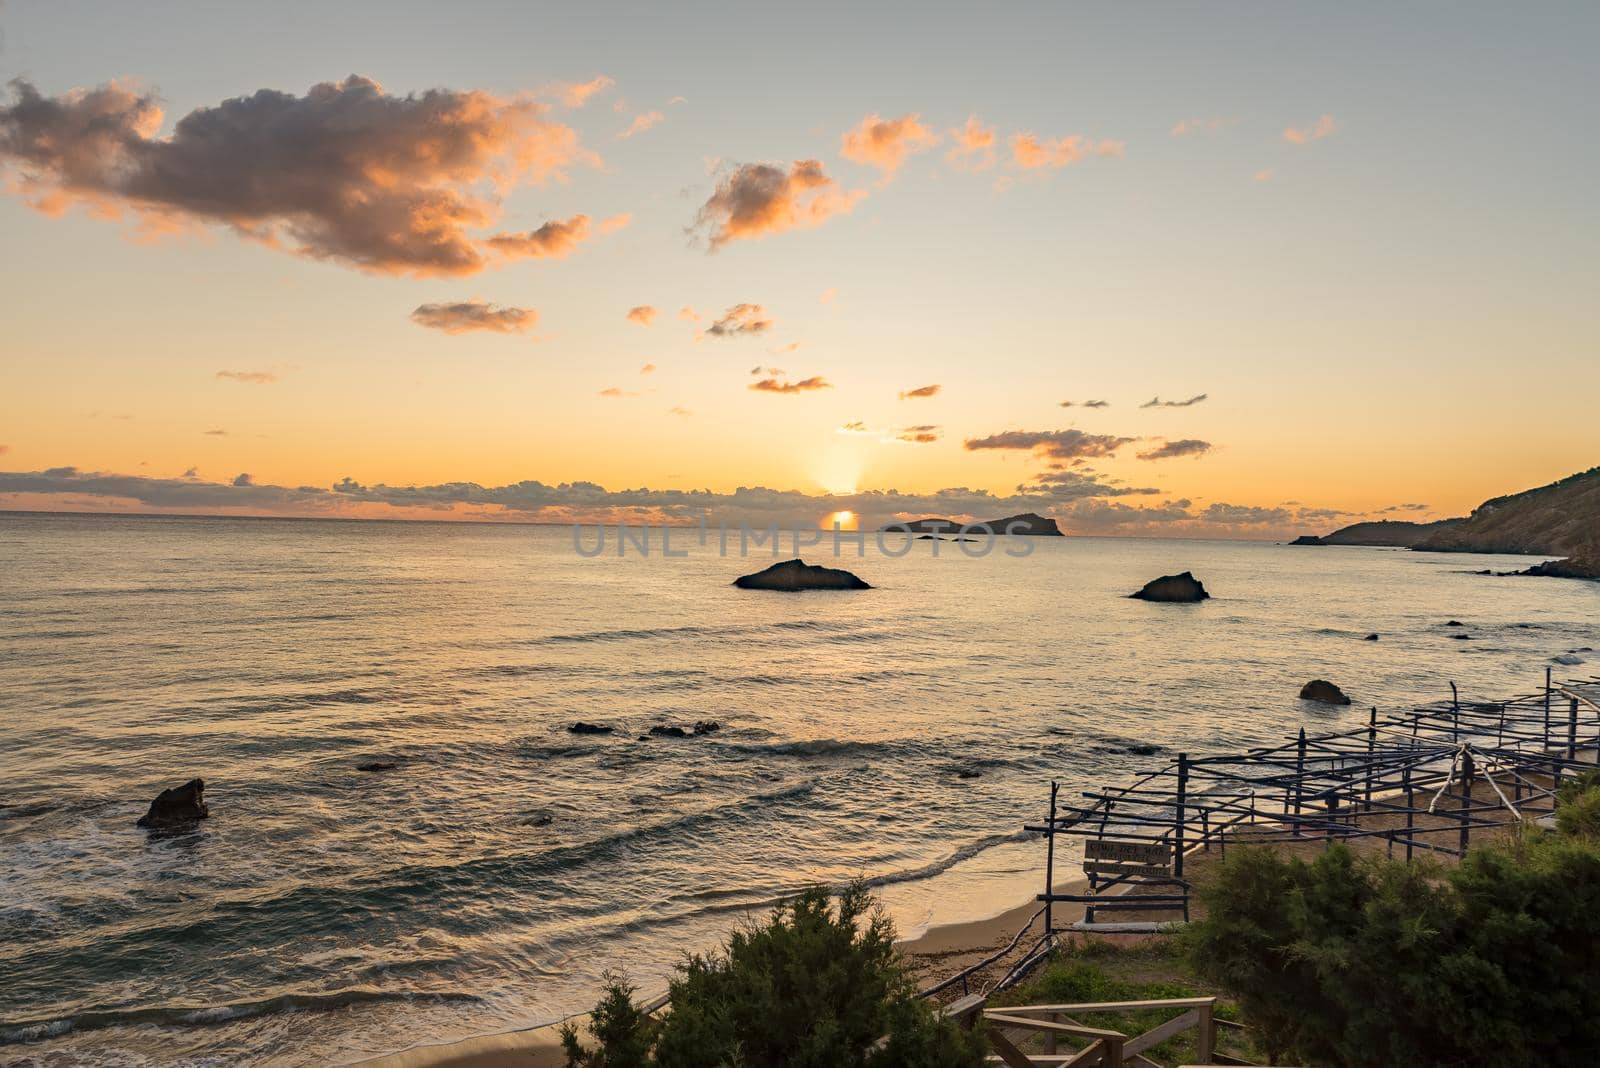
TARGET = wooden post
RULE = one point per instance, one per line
(1177, 826)
(1411, 812)
(1299, 780)
(1547, 709)
(1050, 859)
(1206, 1040)
(1466, 797)
(1572, 730)
(1372, 738)
(1112, 1058)
(1455, 713)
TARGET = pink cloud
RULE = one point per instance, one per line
(885, 143)
(757, 199)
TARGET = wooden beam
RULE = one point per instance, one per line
(1157, 1035)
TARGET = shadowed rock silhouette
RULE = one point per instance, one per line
(1176, 588)
(792, 576)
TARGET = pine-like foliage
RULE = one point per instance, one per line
(819, 985)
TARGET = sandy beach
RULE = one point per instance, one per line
(935, 954)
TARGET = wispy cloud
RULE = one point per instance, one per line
(615, 392)
(1185, 127)
(1059, 446)
(577, 94)
(643, 314)
(612, 223)
(1030, 152)
(679, 410)
(553, 240)
(1169, 450)
(1325, 126)
(885, 143)
(1157, 402)
(648, 369)
(255, 378)
(757, 199)
(1086, 404)
(805, 385)
(921, 391)
(346, 173)
(919, 435)
(640, 124)
(972, 147)
(741, 320)
(463, 317)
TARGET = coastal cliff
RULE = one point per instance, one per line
(1558, 520)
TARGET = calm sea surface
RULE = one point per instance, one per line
(324, 914)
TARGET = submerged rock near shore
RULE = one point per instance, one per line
(1323, 692)
(178, 807)
(792, 576)
(1184, 588)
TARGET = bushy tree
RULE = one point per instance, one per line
(819, 985)
(1354, 962)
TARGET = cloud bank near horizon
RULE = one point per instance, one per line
(1082, 503)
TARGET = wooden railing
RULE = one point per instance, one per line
(1102, 1047)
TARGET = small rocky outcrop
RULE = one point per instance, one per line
(1370, 638)
(1308, 539)
(378, 765)
(1455, 623)
(1575, 567)
(701, 728)
(181, 806)
(792, 576)
(581, 727)
(1323, 692)
(1184, 588)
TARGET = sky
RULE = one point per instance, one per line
(1234, 270)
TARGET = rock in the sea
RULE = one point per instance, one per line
(1455, 623)
(378, 765)
(1370, 638)
(1323, 691)
(1567, 659)
(1576, 567)
(968, 773)
(1179, 588)
(792, 576)
(1462, 637)
(1308, 539)
(178, 807)
(581, 727)
(661, 730)
(706, 726)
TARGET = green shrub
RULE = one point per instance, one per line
(817, 986)
(1372, 962)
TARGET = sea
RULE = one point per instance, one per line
(903, 735)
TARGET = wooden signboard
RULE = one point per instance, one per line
(1108, 856)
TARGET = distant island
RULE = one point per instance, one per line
(1558, 520)
(1028, 523)
(1389, 533)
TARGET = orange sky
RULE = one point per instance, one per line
(632, 267)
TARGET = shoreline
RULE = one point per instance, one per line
(936, 952)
